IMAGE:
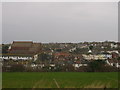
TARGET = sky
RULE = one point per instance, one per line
(59, 21)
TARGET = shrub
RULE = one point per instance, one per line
(17, 68)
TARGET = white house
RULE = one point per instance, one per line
(96, 57)
(78, 64)
(113, 45)
(115, 63)
(16, 58)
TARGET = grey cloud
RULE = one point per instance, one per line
(60, 22)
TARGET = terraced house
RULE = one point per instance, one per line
(23, 50)
(24, 47)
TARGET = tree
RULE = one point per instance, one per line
(96, 65)
(118, 58)
(44, 56)
(5, 48)
(17, 68)
(90, 47)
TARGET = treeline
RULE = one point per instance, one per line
(94, 66)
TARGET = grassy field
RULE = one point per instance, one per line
(59, 80)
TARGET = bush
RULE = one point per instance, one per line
(96, 66)
(110, 69)
(17, 68)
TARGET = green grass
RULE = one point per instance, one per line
(64, 79)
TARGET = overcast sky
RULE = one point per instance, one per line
(60, 22)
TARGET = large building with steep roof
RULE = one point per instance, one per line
(25, 47)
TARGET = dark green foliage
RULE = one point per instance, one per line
(90, 47)
(17, 68)
(5, 48)
(118, 58)
(96, 65)
(44, 56)
(58, 50)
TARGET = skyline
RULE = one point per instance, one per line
(58, 42)
(60, 22)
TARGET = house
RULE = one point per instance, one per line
(114, 45)
(114, 51)
(78, 64)
(115, 63)
(12, 57)
(96, 57)
(52, 66)
(61, 54)
(22, 50)
(24, 47)
(73, 49)
(115, 55)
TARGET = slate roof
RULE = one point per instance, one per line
(25, 47)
